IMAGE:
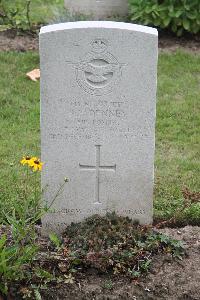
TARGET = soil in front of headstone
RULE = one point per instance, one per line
(10, 41)
(168, 278)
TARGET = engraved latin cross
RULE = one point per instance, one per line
(97, 168)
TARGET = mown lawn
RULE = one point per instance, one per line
(178, 122)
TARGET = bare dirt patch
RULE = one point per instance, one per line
(9, 41)
(171, 43)
(167, 279)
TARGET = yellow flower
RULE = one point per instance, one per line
(25, 160)
(36, 164)
(32, 162)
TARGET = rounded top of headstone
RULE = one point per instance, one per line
(98, 24)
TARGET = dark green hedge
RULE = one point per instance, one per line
(178, 16)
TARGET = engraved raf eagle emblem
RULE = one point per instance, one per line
(99, 71)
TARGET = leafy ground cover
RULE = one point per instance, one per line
(177, 137)
(167, 277)
(177, 16)
(111, 245)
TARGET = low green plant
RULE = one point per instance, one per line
(177, 15)
(13, 261)
(115, 245)
(55, 240)
(15, 14)
(18, 250)
(108, 284)
(190, 199)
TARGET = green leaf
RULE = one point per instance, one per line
(55, 240)
(148, 10)
(154, 15)
(187, 7)
(3, 288)
(166, 21)
(174, 27)
(171, 8)
(192, 15)
(196, 29)
(3, 241)
(157, 22)
(37, 295)
(178, 13)
(186, 24)
(179, 31)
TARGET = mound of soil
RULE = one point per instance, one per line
(167, 279)
(9, 41)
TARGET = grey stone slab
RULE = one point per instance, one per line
(98, 104)
(98, 9)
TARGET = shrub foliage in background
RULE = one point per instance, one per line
(15, 14)
(178, 16)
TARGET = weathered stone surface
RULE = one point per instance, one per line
(98, 8)
(98, 99)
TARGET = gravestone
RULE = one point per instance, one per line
(98, 99)
(98, 9)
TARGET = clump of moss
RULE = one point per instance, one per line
(115, 245)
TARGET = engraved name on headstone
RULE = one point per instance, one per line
(98, 99)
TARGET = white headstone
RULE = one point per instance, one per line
(98, 100)
(98, 8)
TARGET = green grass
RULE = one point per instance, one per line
(19, 121)
(177, 130)
(178, 140)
